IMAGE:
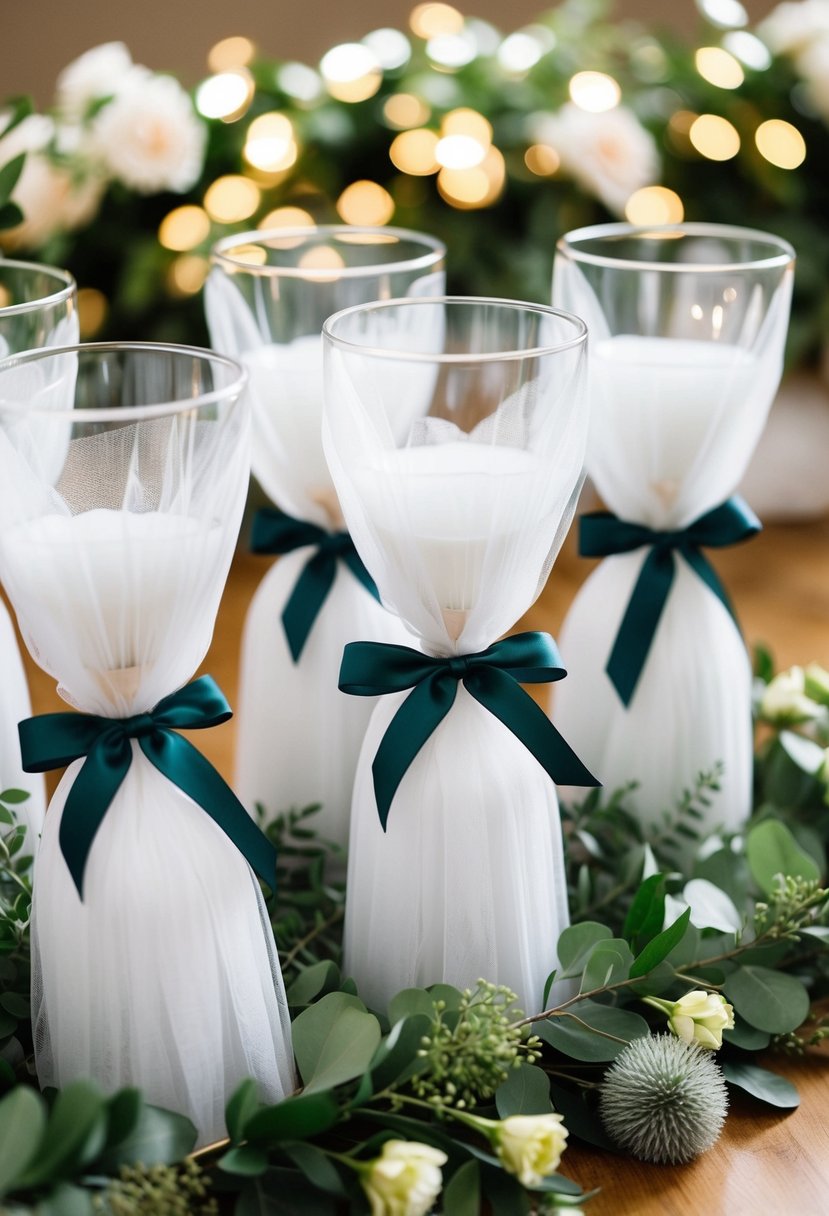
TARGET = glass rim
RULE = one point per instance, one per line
(451, 357)
(785, 255)
(131, 413)
(69, 286)
(435, 251)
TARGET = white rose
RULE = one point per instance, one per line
(697, 1017)
(150, 137)
(98, 73)
(405, 1180)
(530, 1146)
(610, 155)
(785, 701)
(792, 27)
(50, 199)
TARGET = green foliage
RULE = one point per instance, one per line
(15, 911)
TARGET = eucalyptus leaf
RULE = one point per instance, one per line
(769, 1000)
(661, 946)
(767, 1086)
(242, 1106)
(580, 1118)
(592, 1032)
(771, 850)
(749, 1038)
(462, 1193)
(160, 1137)
(576, 943)
(316, 1166)
(411, 1001)
(396, 1058)
(245, 1160)
(526, 1091)
(319, 978)
(609, 962)
(14, 797)
(9, 177)
(66, 1200)
(75, 1134)
(333, 1043)
(506, 1195)
(22, 1123)
(293, 1119)
(123, 1112)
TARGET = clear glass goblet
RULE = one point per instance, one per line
(266, 297)
(123, 474)
(455, 432)
(687, 329)
(38, 307)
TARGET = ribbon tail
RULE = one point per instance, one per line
(419, 715)
(306, 599)
(187, 768)
(509, 703)
(96, 784)
(701, 566)
(358, 569)
(636, 631)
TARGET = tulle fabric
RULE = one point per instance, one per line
(674, 421)
(459, 525)
(114, 546)
(14, 707)
(299, 737)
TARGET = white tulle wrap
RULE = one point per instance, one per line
(52, 325)
(674, 422)
(114, 547)
(460, 531)
(298, 736)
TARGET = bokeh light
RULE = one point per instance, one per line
(230, 53)
(519, 52)
(542, 160)
(300, 82)
(287, 217)
(726, 14)
(719, 67)
(351, 72)
(595, 92)
(365, 203)
(187, 274)
(748, 49)
(432, 20)
(270, 145)
(655, 205)
(231, 198)
(93, 307)
(184, 228)
(226, 95)
(414, 152)
(451, 51)
(404, 110)
(480, 186)
(459, 152)
(391, 47)
(780, 143)
(714, 137)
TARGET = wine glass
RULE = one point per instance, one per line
(38, 307)
(688, 325)
(123, 474)
(455, 432)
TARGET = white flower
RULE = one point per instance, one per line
(792, 27)
(785, 701)
(813, 65)
(49, 197)
(530, 1146)
(405, 1180)
(610, 154)
(150, 137)
(100, 72)
(816, 683)
(697, 1017)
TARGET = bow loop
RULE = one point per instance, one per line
(276, 533)
(54, 740)
(602, 534)
(491, 676)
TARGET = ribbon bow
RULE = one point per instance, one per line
(492, 676)
(55, 740)
(277, 533)
(603, 535)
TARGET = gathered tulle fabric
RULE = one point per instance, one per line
(674, 421)
(458, 496)
(114, 546)
(14, 707)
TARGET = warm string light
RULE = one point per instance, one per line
(780, 143)
(351, 71)
(187, 274)
(184, 228)
(595, 92)
(714, 137)
(365, 203)
(654, 205)
(230, 53)
(404, 110)
(231, 199)
(287, 217)
(226, 95)
(93, 307)
(542, 160)
(414, 152)
(432, 20)
(270, 145)
(719, 67)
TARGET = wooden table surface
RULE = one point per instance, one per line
(765, 1164)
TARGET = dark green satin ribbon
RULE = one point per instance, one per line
(604, 535)
(492, 676)
(277, 533)
(55, 740)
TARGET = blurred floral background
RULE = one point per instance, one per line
(496, 141)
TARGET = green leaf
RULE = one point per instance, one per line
(548, 983)
(576, 944)
(333, 1042)
(74, 1135)
(14, 796)
(447, 993)
(410, 1001)
(771, 850)
(506, 1195)
(16, 109)
(749, 1038)
(661, 946)
(242, 1106)
(462, 1193)
(396, 1057)
(586, 1039)
(246, 1161)
(123, 1112)
(160, 1137)
(609, 962)
(317, 1168)
(15, 1004)
(311, 981)
(10, 215)
(22, 1121)
(760, 1083)
(646, 914)
(769, 1000)
(293, 1119)
(526, 1091)
(284, 1192)
(580, 1118)
(66, 1200)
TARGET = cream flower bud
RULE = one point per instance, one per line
(697, 1017)
(530, 1146)
(785, 701)
(405, 1180)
